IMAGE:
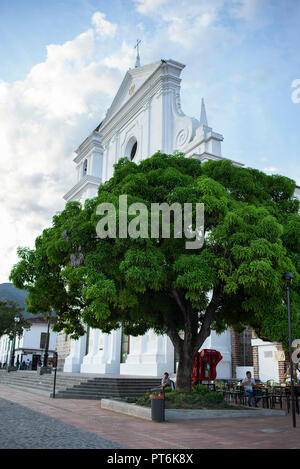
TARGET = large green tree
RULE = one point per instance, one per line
(9, 310)
(252, 236)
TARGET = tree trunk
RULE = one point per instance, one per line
(184, 370)
(193, 338)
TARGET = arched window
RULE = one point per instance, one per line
(131, 148)
(133, 151)
(84, 168)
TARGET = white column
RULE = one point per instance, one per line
(150, 355)
(104, 353)
(114, 352)
(73, 361)
(221, 343)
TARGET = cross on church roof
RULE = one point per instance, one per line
(137, 62)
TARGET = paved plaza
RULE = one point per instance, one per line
(23, 428)
(31, 420)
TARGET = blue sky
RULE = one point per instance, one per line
(61, 62)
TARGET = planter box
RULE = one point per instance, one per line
(185, 414)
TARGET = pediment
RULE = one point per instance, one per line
(133, 80)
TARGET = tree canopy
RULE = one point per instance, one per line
(252, 237)
(8, 311)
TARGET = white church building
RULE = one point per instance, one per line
(144, 117)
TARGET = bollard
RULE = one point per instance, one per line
(54, 383)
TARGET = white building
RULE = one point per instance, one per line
(31, 345)
(145, 116)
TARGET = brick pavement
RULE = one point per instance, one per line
(255, 433)
(23, 428)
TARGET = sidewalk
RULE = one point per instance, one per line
(131, 432)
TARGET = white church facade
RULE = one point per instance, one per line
(144, 117)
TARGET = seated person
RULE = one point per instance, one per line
(249, 384)
(166, 381)
(287, 375)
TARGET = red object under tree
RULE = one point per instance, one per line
(204, 365)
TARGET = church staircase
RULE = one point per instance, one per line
(79, 386)
(121, 387)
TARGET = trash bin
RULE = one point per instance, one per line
(157, 397)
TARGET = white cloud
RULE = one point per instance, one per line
(246, 9)
(194, 24)
(147, 6)
(47, 115)
(43, 119)
(270, 169)
(122, 60)
(103, 27)
(295, 96)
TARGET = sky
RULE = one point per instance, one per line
(62, 61)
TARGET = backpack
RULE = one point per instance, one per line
(172, 385)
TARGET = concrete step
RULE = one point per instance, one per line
(77, 387)
(71, 396)
(37, 384)
(107, 392)
(116, 386)
(49, 379)
(93, 395)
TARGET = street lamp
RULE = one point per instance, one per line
(288, 277)
(12, 360)
(45, 368)
(45, 361)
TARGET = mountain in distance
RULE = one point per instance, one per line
(11, 293)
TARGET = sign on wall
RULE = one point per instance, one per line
(279, 355)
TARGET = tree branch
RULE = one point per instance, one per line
(171, 330)
(175, 295)
(209, 316)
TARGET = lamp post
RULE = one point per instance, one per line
(288, 277)
(45, 361)
(12, 360)
(45, 368)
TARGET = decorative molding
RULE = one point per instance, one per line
(210, 156)
(91, 143)
(83, 184)
(157, 82)
(182, 137)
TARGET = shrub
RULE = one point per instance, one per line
(130, 400)
(201, 389)
(200, 397)
(145, 400)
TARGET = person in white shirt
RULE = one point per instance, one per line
(249, 385)
(165, 381)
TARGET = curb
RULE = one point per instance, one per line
(128, 409)
(134, 410)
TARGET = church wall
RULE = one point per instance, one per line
(155, 125)
(63, 347)
(221, 343)
(150, 113)
(103, 352)
(150, 355)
